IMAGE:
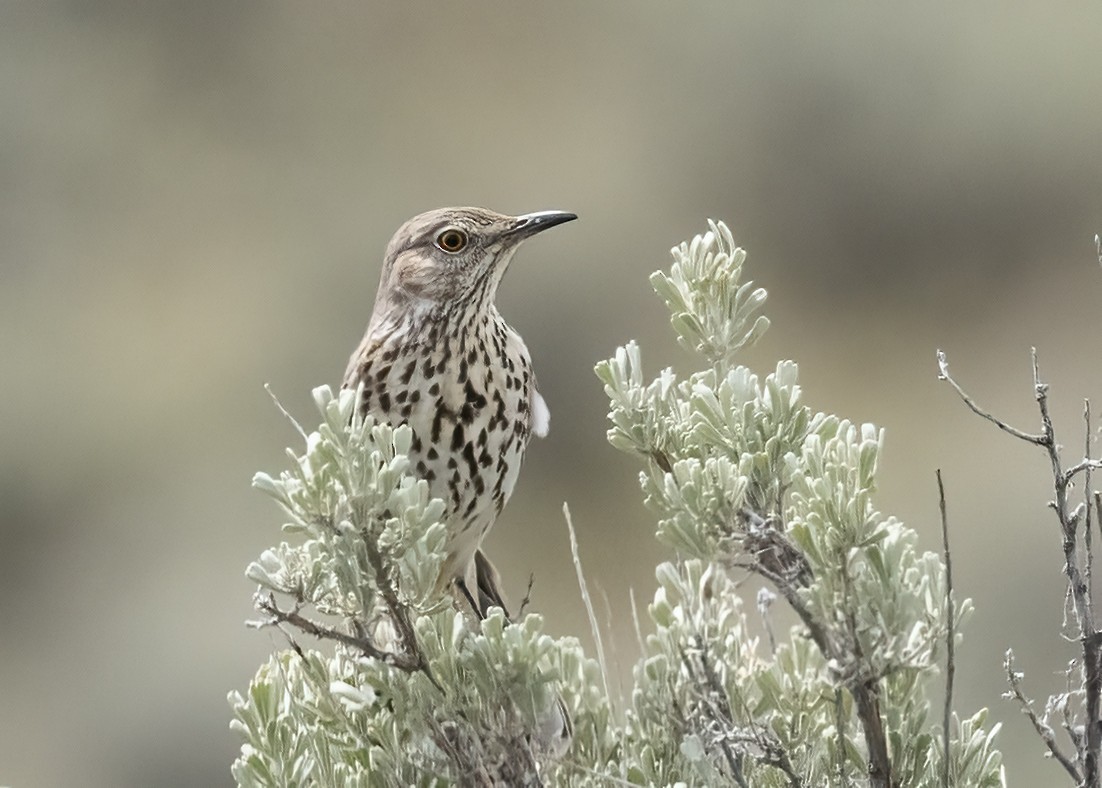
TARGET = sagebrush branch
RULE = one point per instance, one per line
(789, 571)
(266, 603)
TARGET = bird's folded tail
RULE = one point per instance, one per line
(488, 586)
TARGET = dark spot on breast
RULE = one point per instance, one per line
(391, 353)
(434, 389)
(484, 459)
(384, 401)
(407, 375)
(361, 372)
(415, 396)
(482, 437)
(432, 455)
(457, 437)
(474, 397)
(437, 421)
(499, 413)
(400, 397)
(463, 371)
(468, 455)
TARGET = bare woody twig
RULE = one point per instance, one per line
(711, 693)
(1087, 535)
(1044, 730)
(1092, 649)
(865, 690)
(866, 698)
(943, 366)
(1097, 507)
(410, 658)
(772, 752)
(1077, 572)
(266, 603)
(398, 612)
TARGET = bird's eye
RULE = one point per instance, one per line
(452, 240)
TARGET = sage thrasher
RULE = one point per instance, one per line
(438, 356)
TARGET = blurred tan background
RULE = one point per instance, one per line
(195, 197)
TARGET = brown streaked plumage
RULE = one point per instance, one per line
(438, 356)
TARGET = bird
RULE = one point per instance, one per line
(439, 357)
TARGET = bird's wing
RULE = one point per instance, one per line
(539, 416)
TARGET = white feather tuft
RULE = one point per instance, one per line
(541, 415)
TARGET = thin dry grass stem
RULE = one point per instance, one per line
(589, 611)
(635, 620)
(410, 663)
(950, 626)
(284, 411)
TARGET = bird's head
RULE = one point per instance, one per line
(453, 258)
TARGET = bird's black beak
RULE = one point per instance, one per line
(532, 223)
